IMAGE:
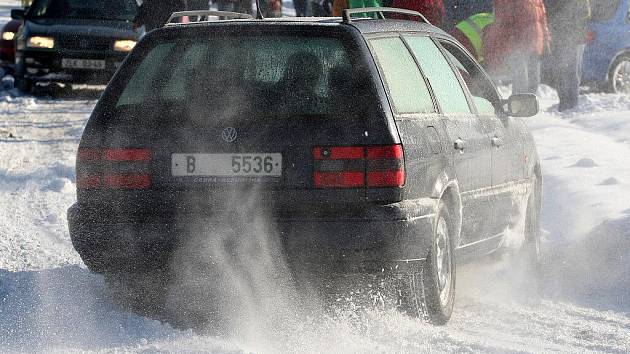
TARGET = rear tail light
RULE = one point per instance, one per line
(126, 168)
(88, 169)
(590, 37)
(359, 166)
(385, 166)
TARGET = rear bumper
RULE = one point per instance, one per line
(341, 245)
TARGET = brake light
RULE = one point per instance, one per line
(88, 169)
(123, 168)
(385, 166)
(359, 166)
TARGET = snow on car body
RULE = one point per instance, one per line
(372, 144)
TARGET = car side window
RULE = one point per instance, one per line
(407, 88)
(442, 79)
(484, 94)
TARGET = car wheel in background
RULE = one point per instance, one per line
(23, 85)
(619, 76)
(430, 289)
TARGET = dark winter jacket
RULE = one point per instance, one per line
(568, 19)
(197, 5)
(433, 10)
(154, 13)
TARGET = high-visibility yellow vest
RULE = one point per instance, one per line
(473, 28)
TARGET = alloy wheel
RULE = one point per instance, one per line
(621, 77)
(443, 261)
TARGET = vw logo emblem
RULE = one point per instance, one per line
(229, 134)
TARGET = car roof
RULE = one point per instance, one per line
(364, 25)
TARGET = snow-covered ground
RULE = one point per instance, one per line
(49, 301)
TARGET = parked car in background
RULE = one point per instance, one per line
(607, 57)
(7, 45)
(73, 41)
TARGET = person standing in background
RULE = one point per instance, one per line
(568, 21)
(459, 10)
(340, 5)
(471, 33)
(302, 8)
(518, 39)
(193, 5)
(433, 10)
(153, 14)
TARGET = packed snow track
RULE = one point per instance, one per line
(50, 301)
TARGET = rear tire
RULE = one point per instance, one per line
(143, 293)
(430, 289)
(530, 251)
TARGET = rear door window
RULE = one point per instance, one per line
(444, 82)
(485, 96)
(405, 84)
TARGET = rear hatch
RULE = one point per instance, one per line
(294, 113)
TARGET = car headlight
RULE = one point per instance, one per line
(124, 45)
(8, 36)
(41, 42)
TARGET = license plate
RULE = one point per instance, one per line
(88, 64)
(226, 165)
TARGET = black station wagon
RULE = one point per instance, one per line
(372, 144)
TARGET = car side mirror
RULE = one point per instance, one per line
(17, 14)
(522, 105)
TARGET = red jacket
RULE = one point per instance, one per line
(521, 25)
(433, 10)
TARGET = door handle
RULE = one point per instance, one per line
(497, 141)
(460, 144)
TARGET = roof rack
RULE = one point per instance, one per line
(203, 15)
(347, 13)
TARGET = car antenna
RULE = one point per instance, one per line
(259, 14)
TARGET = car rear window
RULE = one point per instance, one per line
(248, 75)
(603, 10)
(84, 9)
